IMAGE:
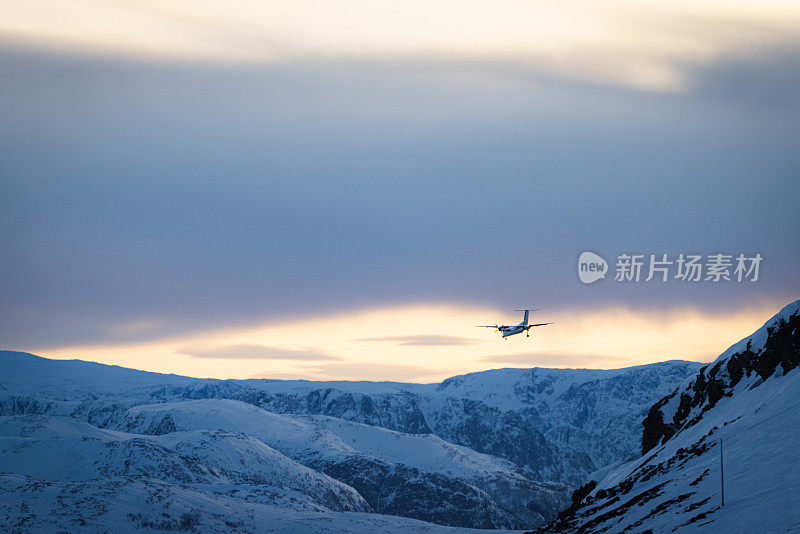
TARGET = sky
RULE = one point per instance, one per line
(344, 190)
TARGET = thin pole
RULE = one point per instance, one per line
(721, 472)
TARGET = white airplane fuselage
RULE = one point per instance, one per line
(517, 329)
(524, 326)
(511, 330)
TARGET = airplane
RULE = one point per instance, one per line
(516, 329)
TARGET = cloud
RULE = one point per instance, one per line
(340, 182)
(423, 340)
(559, 360)
(373, 372)
(599, 338)
(767, 77)
(246, 351)
(647, 41)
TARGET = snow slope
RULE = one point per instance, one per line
(131, 505)
(748, 400)
(63, 449)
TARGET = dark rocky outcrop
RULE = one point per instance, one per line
(781, 349)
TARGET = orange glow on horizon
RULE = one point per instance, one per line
(427, 343)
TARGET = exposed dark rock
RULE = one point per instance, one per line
(781, 349)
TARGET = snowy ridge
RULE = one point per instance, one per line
(758, 339)
(750, 399)
(753, 359)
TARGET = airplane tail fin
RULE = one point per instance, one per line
(525, 319)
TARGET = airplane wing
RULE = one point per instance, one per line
(540, 324)
(488, 326)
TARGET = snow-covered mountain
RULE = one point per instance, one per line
(739, 416)
(557, 424)
(416, 475)
(64, 449)
(560, 424)
(498, 449)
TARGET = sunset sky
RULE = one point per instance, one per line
(343, 190)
